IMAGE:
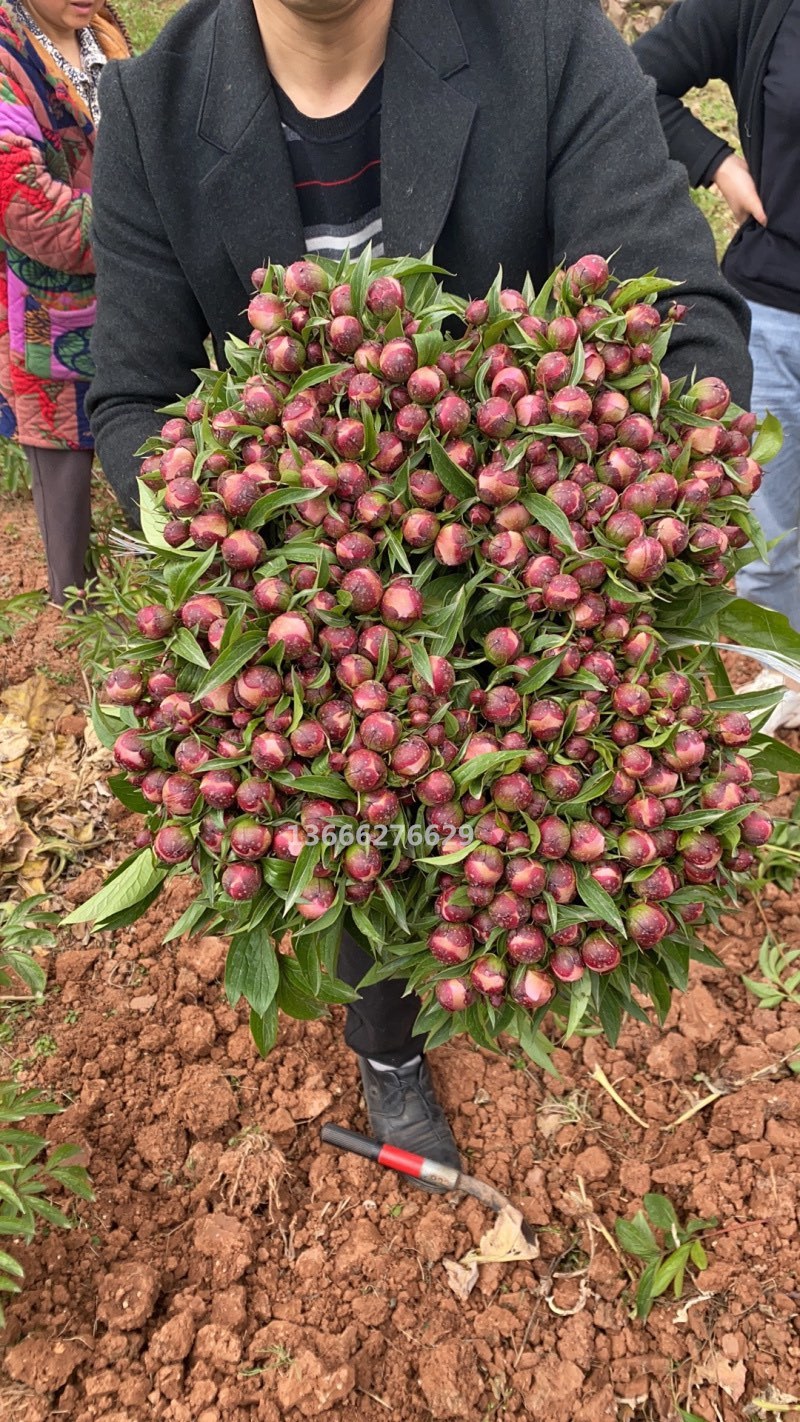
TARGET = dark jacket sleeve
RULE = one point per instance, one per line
(696, 41)
(150, 330)
(613, 189)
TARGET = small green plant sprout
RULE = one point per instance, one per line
(23, 928)
(15, 474)
(27, 1177)
(781, 969)
(17, 610)
(666, 1262)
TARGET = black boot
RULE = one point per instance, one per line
(403, 1111)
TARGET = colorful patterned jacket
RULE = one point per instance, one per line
(47, 304)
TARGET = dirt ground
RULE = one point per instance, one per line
(233, 1269)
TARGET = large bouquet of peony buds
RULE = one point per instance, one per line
(429, 642)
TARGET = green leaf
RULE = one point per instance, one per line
(638, 289)
(186, 578)
(315, 376)
(540, 676)
(441, 861)
(26, 968)
(230, 662)
(644, 1292)
(293, 996)
(186, 646)
(636, 1237)
(48, 1212)
(595, 898)
(579, 1000)
(769, 440)
(534, 1044)
(609, 1010)
(541, 304)
(669, 1269)
(429, 345)
(128, 795)
(360, 278)
(264, 1029)
(305, 951)
(332, 787)
(421, 663)
(107, 726)
(198, 916)
(578, 364)
(447, 1028)
(550, 517)
(74, 1179)
(660, 1212)
(698, 1255)
(265, 508)
(251, 970)
(10, 1265)
(124, 917)
(151, 517)
(760, 628)
(132, 883)
(302, 874)
(775, 755)
(449, 630)
(492, 763)
(456, 482)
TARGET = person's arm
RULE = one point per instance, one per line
(45, 219)
(613, 189)
(150, 329)
(696, 41)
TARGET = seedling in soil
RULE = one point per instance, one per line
(665, 1263)
(16, 611)
(27, 1178)
(778, 963)
(24, 927)
(15, 474)
(45, 1046)
(281, 1357)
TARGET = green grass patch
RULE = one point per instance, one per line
(144, 19)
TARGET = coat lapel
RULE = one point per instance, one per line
(425, 125)
(250, 185)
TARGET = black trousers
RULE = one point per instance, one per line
(61, 481)
(380, 1024)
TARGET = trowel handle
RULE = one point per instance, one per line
(392, 1157)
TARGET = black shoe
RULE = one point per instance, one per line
(403, 1111)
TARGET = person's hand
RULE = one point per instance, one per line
(734, 181)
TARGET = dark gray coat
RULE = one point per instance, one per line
(513, 131)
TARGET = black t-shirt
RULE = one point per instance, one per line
(336, 164)
(763, 263)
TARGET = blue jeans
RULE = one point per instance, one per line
(775, 349)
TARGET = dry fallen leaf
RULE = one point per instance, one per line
(460, 1278)
(15, 740)
(731, 1377)
(504, 1243)
(37, 702)
(549, 1120)
(53, 799)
